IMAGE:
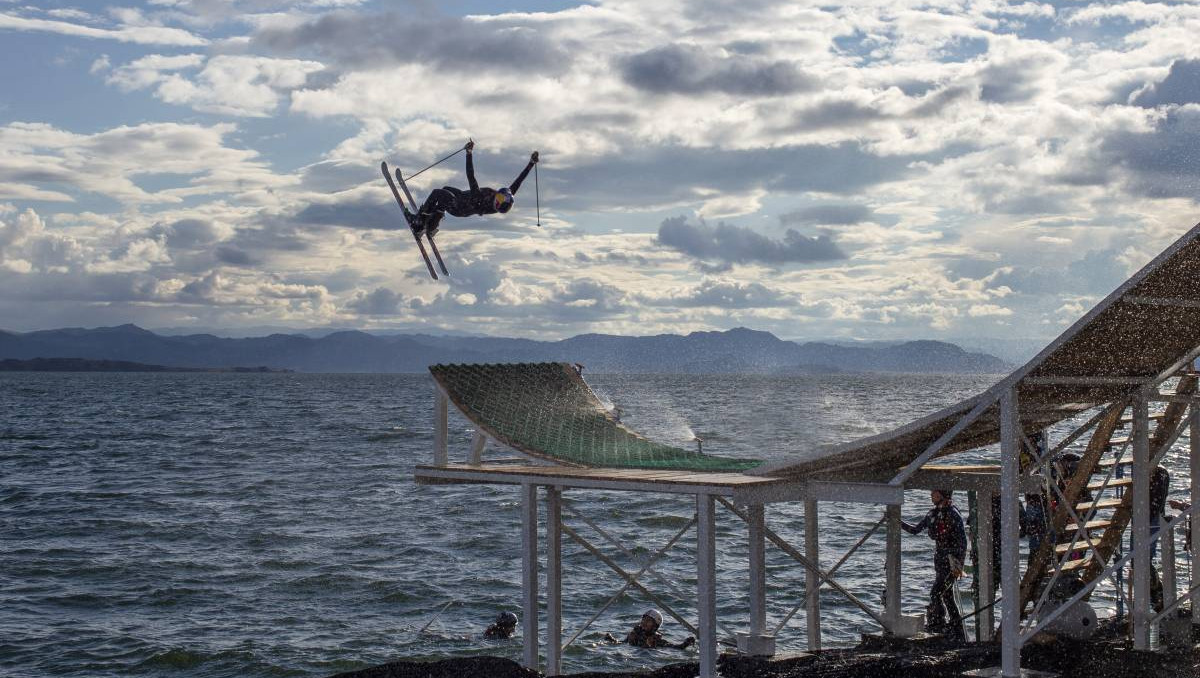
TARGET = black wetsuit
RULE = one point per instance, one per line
(640, 637)
(470, 203)
(945, 526)
(498, 632)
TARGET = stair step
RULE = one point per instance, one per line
(1089, 526)
(1112, 483)
(1077, 564)
(1107, 463)
(1119, 440)
(1080, 545)
(1153, 416)
(1098, 505)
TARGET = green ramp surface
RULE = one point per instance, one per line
(546, 410)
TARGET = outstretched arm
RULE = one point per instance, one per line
(516, 185)
(915, 529)
(471, 169)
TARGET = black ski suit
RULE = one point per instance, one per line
(474, 202)
(945, 526)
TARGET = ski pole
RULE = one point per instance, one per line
(537, 192)
(439, 613)
(411, 176)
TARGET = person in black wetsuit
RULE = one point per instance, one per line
(945, 526)
(470, 203)
(506, 623)
(646, 634)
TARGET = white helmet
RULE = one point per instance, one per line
(655, 615)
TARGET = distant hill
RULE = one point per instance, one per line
(85, 365)
(738, 350)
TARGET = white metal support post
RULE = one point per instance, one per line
(1194, 496)
(553, 580)
(758, 642)
(529, 575)
(1010, 576)
(440, 427)
(812, 581)
(891, 601)
(987, 589)
(1141, 523)
(706, 583)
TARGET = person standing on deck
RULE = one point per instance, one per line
(945, 526)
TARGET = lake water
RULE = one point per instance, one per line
(268, 525)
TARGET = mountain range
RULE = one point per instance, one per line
(738, 350)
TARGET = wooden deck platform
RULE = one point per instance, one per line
(641, 480)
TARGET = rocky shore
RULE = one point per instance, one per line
(874, 657)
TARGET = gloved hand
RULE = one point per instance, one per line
(470, 145)
(533, 158)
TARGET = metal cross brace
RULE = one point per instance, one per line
(823, 576)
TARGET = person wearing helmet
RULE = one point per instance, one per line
(475, 201)
(645, 633)
(945, 526)
(505, 624)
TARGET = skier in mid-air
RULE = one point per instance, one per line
(473, 202)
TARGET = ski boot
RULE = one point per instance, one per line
(432, 222)
(415, 223)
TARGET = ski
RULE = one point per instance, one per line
(408, 219)
(432, 244)
(437, 255)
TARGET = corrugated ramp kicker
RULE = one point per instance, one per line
(546, 410)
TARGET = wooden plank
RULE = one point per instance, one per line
(567, 474)
(1077, 564)
(963, 468)
(1080, 545)
(1113, 483)
(1099, 505)
(1089, 526)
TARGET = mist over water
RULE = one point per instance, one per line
(268, 525)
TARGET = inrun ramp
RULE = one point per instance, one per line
(1137, 333)
(547, 410)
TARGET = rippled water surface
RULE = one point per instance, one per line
(268, 525)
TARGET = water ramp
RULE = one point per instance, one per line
(547, 411)
(1148, 327)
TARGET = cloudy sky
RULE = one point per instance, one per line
(875, 170)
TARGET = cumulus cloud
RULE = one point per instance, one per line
(1181, 86)
(375, 41)
(734, 244)
(827, 215)
(227, 84)
(37, 155)
(688, 69)
(137, 34)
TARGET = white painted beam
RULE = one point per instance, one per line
(1010, 582)
(1141, 524)
(892, 568)
(812, 582)
(1194, 497)
(706, 584)
(440, 427)
(529, 575)
(553, 580)
(987, 594)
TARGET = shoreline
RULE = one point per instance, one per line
(874, 657)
